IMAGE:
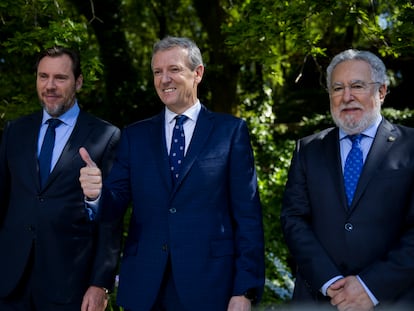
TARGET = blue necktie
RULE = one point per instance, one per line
(177, 146)
(45, 156)
(353, 167)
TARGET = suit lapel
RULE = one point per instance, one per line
(158, 147)
(384, 140)
(331, 147)
(76, 140)
(201, 133)
(30, 138)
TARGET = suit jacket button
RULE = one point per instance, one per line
(31, 228)
(349, 226)
(165, 247)
(173, 210)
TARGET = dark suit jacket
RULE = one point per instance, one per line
(70, 251)
(374, 238)
(210, 223)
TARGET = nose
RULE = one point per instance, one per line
(50, 84)
(347, 95)
(165, 78)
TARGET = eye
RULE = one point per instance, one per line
(42, 76)
(357, 86)
(337, 89)
(156, 72)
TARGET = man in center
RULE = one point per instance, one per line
(195, 239)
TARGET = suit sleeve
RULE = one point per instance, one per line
(4, 175)
(246, 210)
(394, 270)
(313, 263)
(109, 233)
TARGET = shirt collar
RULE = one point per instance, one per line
(191, 113)
(68, 118)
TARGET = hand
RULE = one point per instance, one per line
(90, 176)
(349, 294)
(95, 299)
(239, 303)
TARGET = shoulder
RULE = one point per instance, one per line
(395, 132)
(220, 119)
(397, 127)
(320, 136)
(36, 116)
(95, 121)
(145, 123)
(24, 123)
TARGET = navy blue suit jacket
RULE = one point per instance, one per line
(374, 237)
(209, 224)
(50, 226)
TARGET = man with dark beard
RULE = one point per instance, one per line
(348, 207)
(55, 256)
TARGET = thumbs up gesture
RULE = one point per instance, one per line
(90, 176)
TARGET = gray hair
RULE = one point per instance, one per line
(378, 70)
(194, 55)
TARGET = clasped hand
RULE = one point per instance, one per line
(348, 294)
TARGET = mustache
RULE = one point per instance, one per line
(353, 105)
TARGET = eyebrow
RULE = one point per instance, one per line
(350, 82)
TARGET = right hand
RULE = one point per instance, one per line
(349, 294)
(90, 176)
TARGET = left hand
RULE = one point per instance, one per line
(349, 294)
(95, 299)
(239, 303)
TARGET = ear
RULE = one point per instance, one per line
(382, 92)
(199, 71)
(79, 83)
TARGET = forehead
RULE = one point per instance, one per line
(351, 70)
(55, 65)
(174, 56)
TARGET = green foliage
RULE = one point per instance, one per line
(29, 27)
(272, 157)
(275, 53)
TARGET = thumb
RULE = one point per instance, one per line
(338, 284)
(86, 157)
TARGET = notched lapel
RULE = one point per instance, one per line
(158, 147)
(384, 139)
(79, 135)
(201, 134)
(331, 147)
(33, 128)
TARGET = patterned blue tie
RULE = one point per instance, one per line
(45, 156)
(353, 167)
(177, 146)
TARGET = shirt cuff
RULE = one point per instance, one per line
(324, 288)
(92, 207)
(370, 294)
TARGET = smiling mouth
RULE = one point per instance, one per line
(169, 90)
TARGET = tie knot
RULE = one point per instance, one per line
(180, 119)
(356, 139)
(54, 123)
